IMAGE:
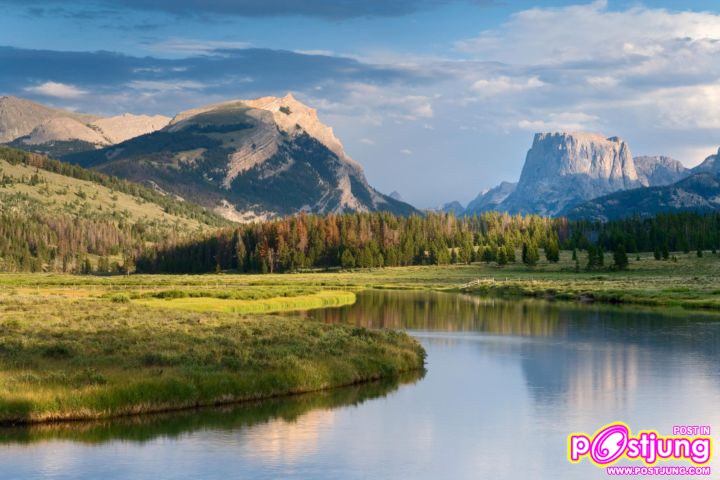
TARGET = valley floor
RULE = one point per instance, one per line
(79, 347)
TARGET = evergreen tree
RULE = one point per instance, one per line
(347, 260)
(620, 257)
(501, 257)
(531, 254)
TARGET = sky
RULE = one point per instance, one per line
(437, 99)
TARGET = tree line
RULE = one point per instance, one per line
(381, 239)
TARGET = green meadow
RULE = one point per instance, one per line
(90, 347)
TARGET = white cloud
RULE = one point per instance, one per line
(155, 86)
(367, 141)
(647, 74)
(57, 90)
(565, 121)
(187, 46)
(591, 32)
(488, 87)
(406, 151)
(602, 81)
(373, 104)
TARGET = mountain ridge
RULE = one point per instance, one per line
(247, 160)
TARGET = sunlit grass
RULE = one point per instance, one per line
(69, 358)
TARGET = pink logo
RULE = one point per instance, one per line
(615, 441)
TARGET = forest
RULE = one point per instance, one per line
(366, 240)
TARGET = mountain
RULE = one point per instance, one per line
(565, 169)
(453, 207)
(395, 195)
(710, 165)
(657, 171)
(247, 160)
(491, 199)
(699, 192)
(19, 117)
(30, 126)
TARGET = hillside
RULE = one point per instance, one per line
(698, 193)
(53, 215)
(247, 160)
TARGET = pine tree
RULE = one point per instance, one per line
(620, 257)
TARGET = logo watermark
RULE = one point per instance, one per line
(615, 441)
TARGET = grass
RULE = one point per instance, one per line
(66, 195)
(311, 301)
(76, 347)
(87, 358)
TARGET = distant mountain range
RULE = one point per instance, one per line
(587, 175)
(698, 191)
(272, 156)
(244, 159)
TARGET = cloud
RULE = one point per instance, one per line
(639, 69)
(168, 85)
(57, 90)
(406, 151)
(194, 47)
(328, 9)
(564, 121)
(500, 85)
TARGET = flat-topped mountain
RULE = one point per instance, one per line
(564, 169)
(247, 160)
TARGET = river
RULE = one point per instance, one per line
(506, 383)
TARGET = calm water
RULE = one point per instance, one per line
(505, 384)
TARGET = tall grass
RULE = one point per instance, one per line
(65, 358)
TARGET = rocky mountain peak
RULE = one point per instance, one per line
(565, 168)
(289, 114)
(659, 170)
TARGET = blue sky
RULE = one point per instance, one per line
(438, 99)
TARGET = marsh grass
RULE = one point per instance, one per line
(310, 301)
(89, 358)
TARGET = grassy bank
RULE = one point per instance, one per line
(65, 357)
(93, 347)
(208, 303)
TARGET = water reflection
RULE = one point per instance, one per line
(268, 416)
(506, 382)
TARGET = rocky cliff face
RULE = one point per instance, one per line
(247, 159)
(656, 171)
(565, 169)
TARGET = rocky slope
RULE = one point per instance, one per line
(710, 165)
(31, 126)
(19, 117)
(564, 169)
(247, 159)
(656, 171)
(699, 192)
(126, 126)
(491, 199)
